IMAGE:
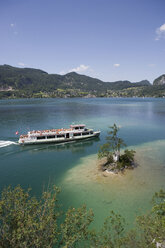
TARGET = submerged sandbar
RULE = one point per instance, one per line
(127, 193)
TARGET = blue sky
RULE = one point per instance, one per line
(108, 39)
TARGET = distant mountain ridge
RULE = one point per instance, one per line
(160, 80)
(29, 82)
(23, 77)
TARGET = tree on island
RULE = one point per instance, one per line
(111, 150)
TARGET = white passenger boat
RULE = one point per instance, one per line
(75, 132)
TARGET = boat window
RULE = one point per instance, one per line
(67, 135)
(60, 136)
(81, 127)
(76, 128)
(51, 137)
(91, 132)
(85, 133)
(40, 137)
(77, 134)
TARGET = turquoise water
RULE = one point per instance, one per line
(73, 166)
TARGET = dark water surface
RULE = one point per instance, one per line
(71, 166)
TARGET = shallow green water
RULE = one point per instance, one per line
(73, 166)
(129, 194)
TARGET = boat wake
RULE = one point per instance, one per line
(4, 143)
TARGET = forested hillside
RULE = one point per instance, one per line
(27, 82)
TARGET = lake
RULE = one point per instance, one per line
(73, 167)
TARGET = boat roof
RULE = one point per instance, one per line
(78, 125)
(49, 131)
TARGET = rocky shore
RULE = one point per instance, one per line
(114, 168)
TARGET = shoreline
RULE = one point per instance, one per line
(84, 97)
(105, 172)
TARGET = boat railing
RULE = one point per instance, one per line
(47, 132)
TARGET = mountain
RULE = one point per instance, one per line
(160, 80)
(23, 78)
(119, 85)
(28, 82)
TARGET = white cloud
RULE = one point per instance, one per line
(80, 68)
(14, 28)
(21, 64)
(62, 72)
(160, 32)
(116, 65)
(151, 65)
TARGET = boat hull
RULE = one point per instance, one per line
(60, 140)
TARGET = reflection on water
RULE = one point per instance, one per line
(73, 146)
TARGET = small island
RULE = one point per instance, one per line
(112, 161)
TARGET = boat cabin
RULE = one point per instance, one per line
(78, 127)
(75, 132)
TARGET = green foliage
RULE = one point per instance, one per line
(127, 158)
(104, 151)
(110, 234)
(112, 148)
(74, 228)
(26, 221)
(152, 225)
(131, 240)
(110, 158)
(150, 229)
(113, 145)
